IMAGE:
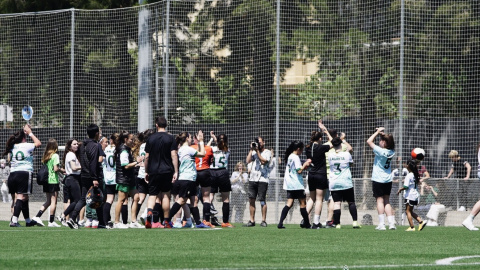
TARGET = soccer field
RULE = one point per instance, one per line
(238, 248)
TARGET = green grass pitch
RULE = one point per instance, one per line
(237, 248)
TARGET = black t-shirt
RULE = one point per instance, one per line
(459, 168)
(159, 147)
(319, 165)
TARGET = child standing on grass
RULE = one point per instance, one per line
(293, 182)
(411, 195)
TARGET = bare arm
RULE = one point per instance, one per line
(374, 135)
(469, 169)
(305, 165)
(262, 159)
(212, 138)
(449, 174)
(201, 148)
(28, 132)
(74, 166)
(324, 129)
(174, 156)
(249, 156)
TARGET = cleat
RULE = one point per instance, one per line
(120, 226)
(422, 225)
(392, 227)
(109, 225)
(148, 221)
(142, 219)
(72, 224)
(263, 224)
(338, 226)
(136, 225)
(63, 222)
(208, 224)
(329, 225)
(157, 225)
(302, 223)
(15, 224)
(410, 229)
(227, 225)
(167, 225)
(39, 221)
(81, 223)
(53, 225)
(215, 222)
(177, 225)
(95, 224)
(317, 226)
(213, 211)
(381, 227)
(249, 224)
(469, 225)
(32, 223)
(356, 225)
(202, 226)
(88, 224)
(280, 226)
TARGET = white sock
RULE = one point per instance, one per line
(381, 219)
(15, 219)
(391, 220)
(471, 217)
(316, 219)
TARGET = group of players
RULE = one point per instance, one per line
(163, 166)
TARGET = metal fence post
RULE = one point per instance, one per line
(72, 69)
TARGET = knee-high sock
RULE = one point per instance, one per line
(336, 216)
(26, 210)
(226, 212)
(125, 214)
(157, 212)
(206, 211)
(138, 208)
(101, 219)
(106, 211)
(175, 207)
(284, 214)
(196, 215)
(17, 208)
(304, 213)
(353, 210)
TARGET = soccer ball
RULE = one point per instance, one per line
(418, 153)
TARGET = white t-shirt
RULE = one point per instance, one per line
(68, 167)
(22, 157)
(340, 174)
(293, 180)
(187, 169)
(109, 173)
(259, 172)
(220, 158)
(411, 192)
(239, 185)
(382, 167)
(141, 169)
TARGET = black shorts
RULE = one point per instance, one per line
(142, 186)
(220, 181)
(203, 178)
(159, 183)
(381, 189)
(257, 188)
(317, 181)
(111, 189)
(410, 202)
(346, 195)
(185, 188)
(20, 182)
(175, 188)
(51, 188)
(296, 194)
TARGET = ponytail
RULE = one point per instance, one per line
(314, 136)
(412, 166)
(294, 145)
(120, 140)
(12, 140)
(182, 137)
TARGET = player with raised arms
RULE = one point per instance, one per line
(20, 155)
(293, 182)
(382, 176)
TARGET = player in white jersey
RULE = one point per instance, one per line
(411, 195)
(187, 174)
(220, 177)
(20, 156)
(382, 176)
(340, 182)
(109, 176)
(293, 182)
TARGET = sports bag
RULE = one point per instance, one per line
(42, 175)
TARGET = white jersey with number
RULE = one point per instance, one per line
(109, 172)
(186, 168)
(141, 169)
(22, 157)
(382, 167)
(220, 158)
(292, 179)
(411, 191)
(340, 174)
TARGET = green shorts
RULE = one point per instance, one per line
(125, 188)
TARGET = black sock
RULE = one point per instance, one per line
(304, 213)
(336, 216)
(157, 212)
(353, 210)
(226, 211)
(196, 215)
(138, 208)
(206, 211)
(40, 213)
(101, 220)
(284, 215)
(26, 210)
(17, 208)
(106, 211)
(52, 218)
(175, 207)
(124, 214)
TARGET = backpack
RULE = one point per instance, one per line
(42, 175)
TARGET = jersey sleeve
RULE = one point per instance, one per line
(406, 182)
(192, 151)
(124, 158)
(55, 159)
(377, 150)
